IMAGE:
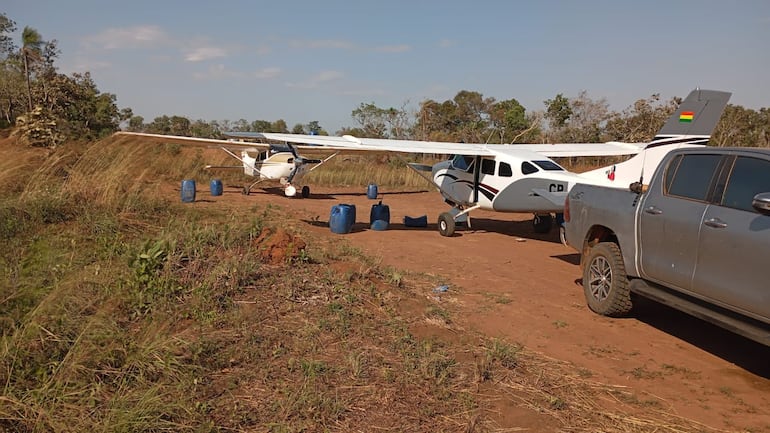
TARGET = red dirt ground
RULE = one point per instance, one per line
(510, 283)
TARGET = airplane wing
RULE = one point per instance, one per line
(353, 144)
(197, 141)
(349, 143)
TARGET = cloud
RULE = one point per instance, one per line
(267, 73)
(316, 80)
(321, 44)
(204, 53)
(393, 48)
(446, 43)
(127, 37)
(216, 72)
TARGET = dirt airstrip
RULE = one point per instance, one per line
(507, 282)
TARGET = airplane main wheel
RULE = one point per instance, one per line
(542, 223)
(305, 191)
(446, 224)
(563, 235)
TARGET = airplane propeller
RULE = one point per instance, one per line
(298, 162)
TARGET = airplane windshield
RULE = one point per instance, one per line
(548, 165)
(462, 162)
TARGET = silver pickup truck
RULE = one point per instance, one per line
(696, 238)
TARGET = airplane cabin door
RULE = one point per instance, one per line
(486, 188)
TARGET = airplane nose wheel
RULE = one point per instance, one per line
(446, 224)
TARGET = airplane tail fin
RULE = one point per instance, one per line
(694, 120)
(690, 125)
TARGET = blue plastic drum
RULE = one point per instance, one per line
(379, 217)
(216, 186)
(342, 218)
(188, 191)
(371, 191)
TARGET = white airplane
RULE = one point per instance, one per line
(523, 177)
(265, 161)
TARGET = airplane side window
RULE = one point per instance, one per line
(488, 166)
(693, 178)
(750, 176)
(505, 170)
(527, 168)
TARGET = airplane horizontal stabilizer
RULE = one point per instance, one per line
(421, 167)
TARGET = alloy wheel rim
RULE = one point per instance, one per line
(600, 278)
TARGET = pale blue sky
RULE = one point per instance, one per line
(319, 60)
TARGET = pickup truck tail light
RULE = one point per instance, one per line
(566, 209)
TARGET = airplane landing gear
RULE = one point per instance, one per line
(446, 224)
(246, 190)
(305, 191)
(542, 223)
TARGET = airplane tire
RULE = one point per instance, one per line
(446, 224)
(305, 191)
(542, 223)
(605, 283)
(563, 235)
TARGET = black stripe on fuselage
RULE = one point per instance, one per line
(663, 141)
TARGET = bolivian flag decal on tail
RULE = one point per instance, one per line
(686, 117)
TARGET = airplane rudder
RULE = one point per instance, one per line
(698, 114)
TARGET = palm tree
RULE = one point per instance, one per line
(30, 52)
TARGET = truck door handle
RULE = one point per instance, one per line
(716, 223)
(652, 210)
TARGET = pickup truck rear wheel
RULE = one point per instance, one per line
(605, 283)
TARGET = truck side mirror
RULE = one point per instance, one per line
(761, 203)
(638, 187)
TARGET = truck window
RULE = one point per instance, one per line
(749, 177)
(690, 176)
(488, 166)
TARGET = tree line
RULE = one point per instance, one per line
(45, 107)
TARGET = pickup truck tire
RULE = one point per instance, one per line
(605, 283)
